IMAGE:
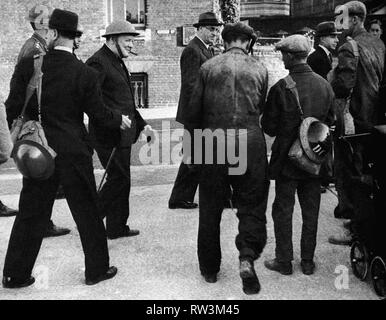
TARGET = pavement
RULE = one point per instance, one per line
(161, 263)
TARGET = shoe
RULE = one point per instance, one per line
(127, 232)
(345, 214)
(210, 277)
(14, 283)
(183, 204)
(251, 284)
(323, 189)
(347, 224)
(60, 193)
(284, 268)
(308, 266)
(7, 212)
(110, 273)
(55, 231)
(342, 240)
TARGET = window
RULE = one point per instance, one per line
(135, 11)
(129, 10)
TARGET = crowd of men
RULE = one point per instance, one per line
(225, 93)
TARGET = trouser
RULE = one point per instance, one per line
(308, 191)
(114, 196)
(250, 191)
(76, 175)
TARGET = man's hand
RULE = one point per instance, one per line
(149, 132)
(126, 123)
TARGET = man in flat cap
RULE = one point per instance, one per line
(281, 119)
(356, 80)
(227, 101)
(193, 56)
(117, 93)
(69, 89)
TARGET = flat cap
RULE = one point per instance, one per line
(295, 44)
(238, 28)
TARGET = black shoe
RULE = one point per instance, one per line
(284, 268)
(183, 204)
(345, 239)
(60, 193)
(344, 214)
(7, 212)
(54, 231)
(210, 277)
(127, 232)
(251, 284)
(110, 273)
(323, 189)
(308, 266)
(14, 283)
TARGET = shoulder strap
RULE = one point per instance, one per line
(354, 46)
(291, 85)
(34, 83)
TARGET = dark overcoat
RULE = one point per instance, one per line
(320, 62)
(117, 95)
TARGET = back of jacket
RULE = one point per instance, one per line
(117, 95)
(281, 117)
(364, 78)
(69, 88)
(230, 92)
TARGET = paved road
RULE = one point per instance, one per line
(161, 263)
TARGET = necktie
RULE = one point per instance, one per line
(330, 57)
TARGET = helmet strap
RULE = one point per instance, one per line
(119, 50)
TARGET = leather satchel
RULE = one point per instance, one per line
(296, 153)
(32, 130)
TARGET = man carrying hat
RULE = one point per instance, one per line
(117, 93)
(69, 89)
(282, 119)
(227, 100)
(193, 56)
(356, 80)
(38, 17)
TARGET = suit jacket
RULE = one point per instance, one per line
(193, 56)
(319, 62)
(281, 117)
(69, 89)
(117, 95)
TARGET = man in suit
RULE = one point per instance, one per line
(117, 93)
(69, 89)
(38, 17)
(320, 60)
(193, 56)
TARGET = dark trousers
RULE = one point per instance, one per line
(76, 175)
(250, 191)
(308, 191)
(185, 185)
(114, 196)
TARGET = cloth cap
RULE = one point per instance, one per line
(294, 44)
(238, 28)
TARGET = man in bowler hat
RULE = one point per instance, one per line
(193, 56)
(69, 89)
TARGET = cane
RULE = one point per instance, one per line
(107, 167)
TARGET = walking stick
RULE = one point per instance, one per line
(107, 167)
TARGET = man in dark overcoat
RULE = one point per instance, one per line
(69, 89)
(228, 99)
(281, 119)
(117, 93)
(193, 56)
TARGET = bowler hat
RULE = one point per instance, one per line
(326, 28)
(238, 28)
(64, 20)
(207, 19)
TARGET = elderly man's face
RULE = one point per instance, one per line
(330, 42)
(126, 43)
(375, 30)
(209, 34)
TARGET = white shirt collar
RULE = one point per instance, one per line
(206, 45)
(62, 48)
(325, 50)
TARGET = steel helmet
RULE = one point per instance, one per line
(120, 27)
(40, 15)
(33, 160)
(315, 139)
